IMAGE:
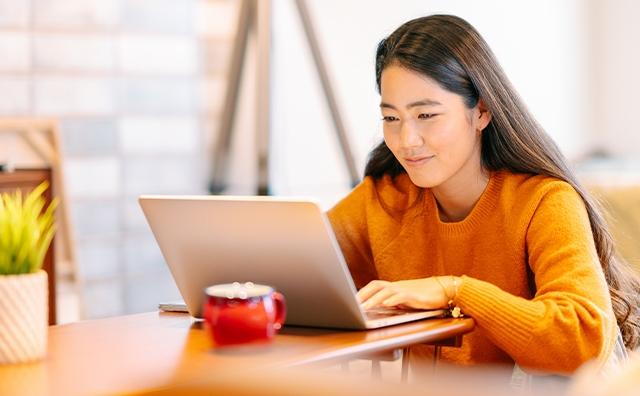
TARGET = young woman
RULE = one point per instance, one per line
(468, 204)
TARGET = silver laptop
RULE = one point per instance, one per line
(286, 243)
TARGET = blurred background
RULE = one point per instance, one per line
(137, 88)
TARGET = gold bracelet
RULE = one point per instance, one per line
(454, 310)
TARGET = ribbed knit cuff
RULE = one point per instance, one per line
(508, 320)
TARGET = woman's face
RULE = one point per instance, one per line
(429, 129)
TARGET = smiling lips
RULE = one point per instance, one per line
(416, 161)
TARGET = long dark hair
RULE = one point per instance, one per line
(450, 51)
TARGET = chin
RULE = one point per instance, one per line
(425, 181)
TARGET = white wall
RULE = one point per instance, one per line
(616, 52)
(541, 44)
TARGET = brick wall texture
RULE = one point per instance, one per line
(137, 86)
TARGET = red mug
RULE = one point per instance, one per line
(240, 313)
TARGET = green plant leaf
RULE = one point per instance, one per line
(26, 230)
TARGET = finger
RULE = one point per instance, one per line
(377, 299)
(370, 289)
(398, 300)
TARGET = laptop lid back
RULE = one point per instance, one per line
(286, 243)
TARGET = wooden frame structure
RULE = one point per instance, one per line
(255, 16)
(42, 136)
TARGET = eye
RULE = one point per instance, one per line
(389, 118)
(426, 116)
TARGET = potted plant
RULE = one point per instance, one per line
(26, 231)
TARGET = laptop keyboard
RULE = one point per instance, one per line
(381, 312)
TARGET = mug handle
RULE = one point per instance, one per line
(281, 310)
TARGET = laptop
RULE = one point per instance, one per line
(282, 242)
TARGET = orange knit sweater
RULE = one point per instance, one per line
(531, 278)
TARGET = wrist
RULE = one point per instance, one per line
(450, 286)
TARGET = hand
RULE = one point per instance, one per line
(425, 293)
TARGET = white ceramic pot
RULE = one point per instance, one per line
(23, 317)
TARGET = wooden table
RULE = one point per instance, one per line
(155, 350)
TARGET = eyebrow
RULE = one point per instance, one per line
(423, 102)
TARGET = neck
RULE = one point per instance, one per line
(458, 195)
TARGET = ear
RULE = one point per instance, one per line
(483, 115)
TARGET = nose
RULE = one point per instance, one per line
(410, 136)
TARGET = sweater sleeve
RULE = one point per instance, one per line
(570, 319)
(349, 222)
